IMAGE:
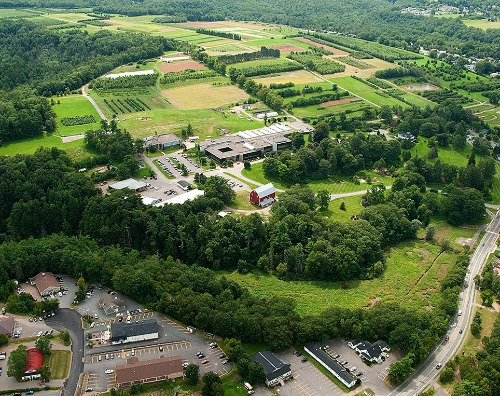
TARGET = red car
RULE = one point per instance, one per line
(204, 361)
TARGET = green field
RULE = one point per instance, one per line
(334, 185)
(74, 105)
(59, 362)
(482, 23)
(411, 278)
(260, 62)
(445, 154)
(74, 149)
(17, 13)
(373, 95)
(352, 207)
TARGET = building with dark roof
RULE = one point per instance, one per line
(373, 353)
(110, 303)
(7, 325)
(141, 330)
(46, 283)
(276, 370)
(328, 362)
(140, 372)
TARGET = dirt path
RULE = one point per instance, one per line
(92, 101)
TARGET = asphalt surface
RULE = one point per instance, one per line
(69, 319)
(427, 373)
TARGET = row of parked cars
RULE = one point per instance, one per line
(191, 161)
(344, 363)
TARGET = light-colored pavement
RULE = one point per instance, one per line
(92, 101)
(427, 373)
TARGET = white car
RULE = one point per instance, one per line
(109, 371)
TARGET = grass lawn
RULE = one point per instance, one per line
(447, 155)
(495, 190)
(352, 207)
(482, 23)
(233, 385)
(71, 106)
(472, 344)
(75, 150)
(242, 201)
(59, 362)
(141, 172)
(412, 270)
(333, 185)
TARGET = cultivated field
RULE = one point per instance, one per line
(296, 76)
(333, 50)
(167, 67)
(482, 23)
(203, 96)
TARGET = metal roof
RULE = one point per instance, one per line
(273, 366)
(131, 184)
(265, 190)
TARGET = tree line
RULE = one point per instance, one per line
(216, 33)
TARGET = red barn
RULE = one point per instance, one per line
(264, 195)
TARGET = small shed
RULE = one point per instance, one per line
(264, 195)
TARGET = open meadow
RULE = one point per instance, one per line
(412, 274)
(203, 96)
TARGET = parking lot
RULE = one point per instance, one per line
(174, 340)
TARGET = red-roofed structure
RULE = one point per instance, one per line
(35, 359)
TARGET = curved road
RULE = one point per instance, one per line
(69, 319)
(427, 373)
(92, 101)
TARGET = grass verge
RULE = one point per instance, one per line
(59, 362)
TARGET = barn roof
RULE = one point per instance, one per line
(265, 190)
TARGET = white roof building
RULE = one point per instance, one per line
(131, 184)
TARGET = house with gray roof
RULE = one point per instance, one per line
(276, 370)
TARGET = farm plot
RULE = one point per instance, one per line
(203, 96)
(297, 77)
(333, 50)
(72, 109)
(167, 67)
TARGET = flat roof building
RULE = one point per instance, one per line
(146, 329)
(131, 184)
(140, 372)
(46, 283)
(180, 199)
(328, 362)
(276, 370)
(185, 185)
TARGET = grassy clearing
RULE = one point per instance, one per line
(495, 190)
(205, 122)
(16, 13)
(446, 155)
(296, 76)
(472, 344)
(354, 108)
(406, 264)
(241, 201)
(71, 106)
(59, 362)
(352, 207)
(76, 149)
(334, 185)
(482, 23)
(260, 62)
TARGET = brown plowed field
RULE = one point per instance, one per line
(286, 48)
(180, 66)
(333, 50)
(340, 101)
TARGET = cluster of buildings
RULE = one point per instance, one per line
(372, 353)
(162, 142)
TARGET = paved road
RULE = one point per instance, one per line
(427, 374)
(96, 107)
(69, 319)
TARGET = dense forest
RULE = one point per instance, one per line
(372, 20)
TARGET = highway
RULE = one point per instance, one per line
(426, 373)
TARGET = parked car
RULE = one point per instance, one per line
(204, 361)
(438, 366)
(336, 356)
(344, 362)
(222, 356)
(225, 361)
(359, 374)
(109, 371)
(303, 360)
